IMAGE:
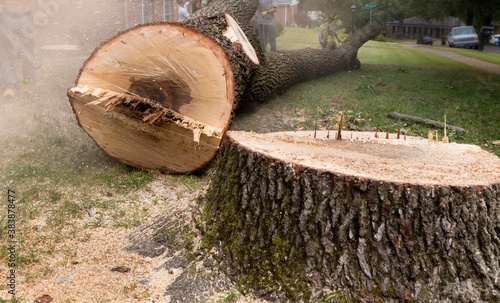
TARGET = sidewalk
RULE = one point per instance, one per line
(490, 67)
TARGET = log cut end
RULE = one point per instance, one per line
(158, 96)
(362, 155)
(236, 35)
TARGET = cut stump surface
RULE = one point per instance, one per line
(413, 161)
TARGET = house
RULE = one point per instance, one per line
(287, 10)
(415, 27)
(87, 23)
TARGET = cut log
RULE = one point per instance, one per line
(161, 96)
(366, 219)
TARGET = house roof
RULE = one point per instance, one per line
(448, 22)
(287, 2)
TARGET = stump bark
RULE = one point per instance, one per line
(161, 96)
(361, 219)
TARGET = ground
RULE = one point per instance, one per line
(55, 168)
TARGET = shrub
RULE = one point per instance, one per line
(380, 38)
(280, 29)
(302, 19)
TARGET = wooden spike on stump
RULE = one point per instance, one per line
(339, 132)
(445, 138)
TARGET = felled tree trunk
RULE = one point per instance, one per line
(283, 69)
(359, 219)
(161, 96)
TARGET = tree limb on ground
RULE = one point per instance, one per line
(398, 116)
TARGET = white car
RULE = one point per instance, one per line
(463, 36)
(494, 39)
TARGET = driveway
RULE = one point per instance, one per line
(490, 67)
(442, 51)
(487, 48)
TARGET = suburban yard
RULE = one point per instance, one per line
(75, 205)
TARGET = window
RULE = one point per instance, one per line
(406, 30)
(147, 11)
(167, 10)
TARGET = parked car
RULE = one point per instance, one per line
(428, 40)
(494, 39)
(463, 36)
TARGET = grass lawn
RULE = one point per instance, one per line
(485, 56)
(297, 38)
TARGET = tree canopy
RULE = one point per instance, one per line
(476, 12)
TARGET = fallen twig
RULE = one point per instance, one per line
(88, 210)
(398, 116)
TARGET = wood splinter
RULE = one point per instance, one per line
(339, 133)
(445, 138)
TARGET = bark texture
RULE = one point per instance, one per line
(241, 10)
(299, 233)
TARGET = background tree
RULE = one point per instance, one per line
(473, 12)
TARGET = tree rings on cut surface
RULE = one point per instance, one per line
(158, 96)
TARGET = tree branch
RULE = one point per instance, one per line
(398, 116)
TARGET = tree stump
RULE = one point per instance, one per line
(361, 219)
